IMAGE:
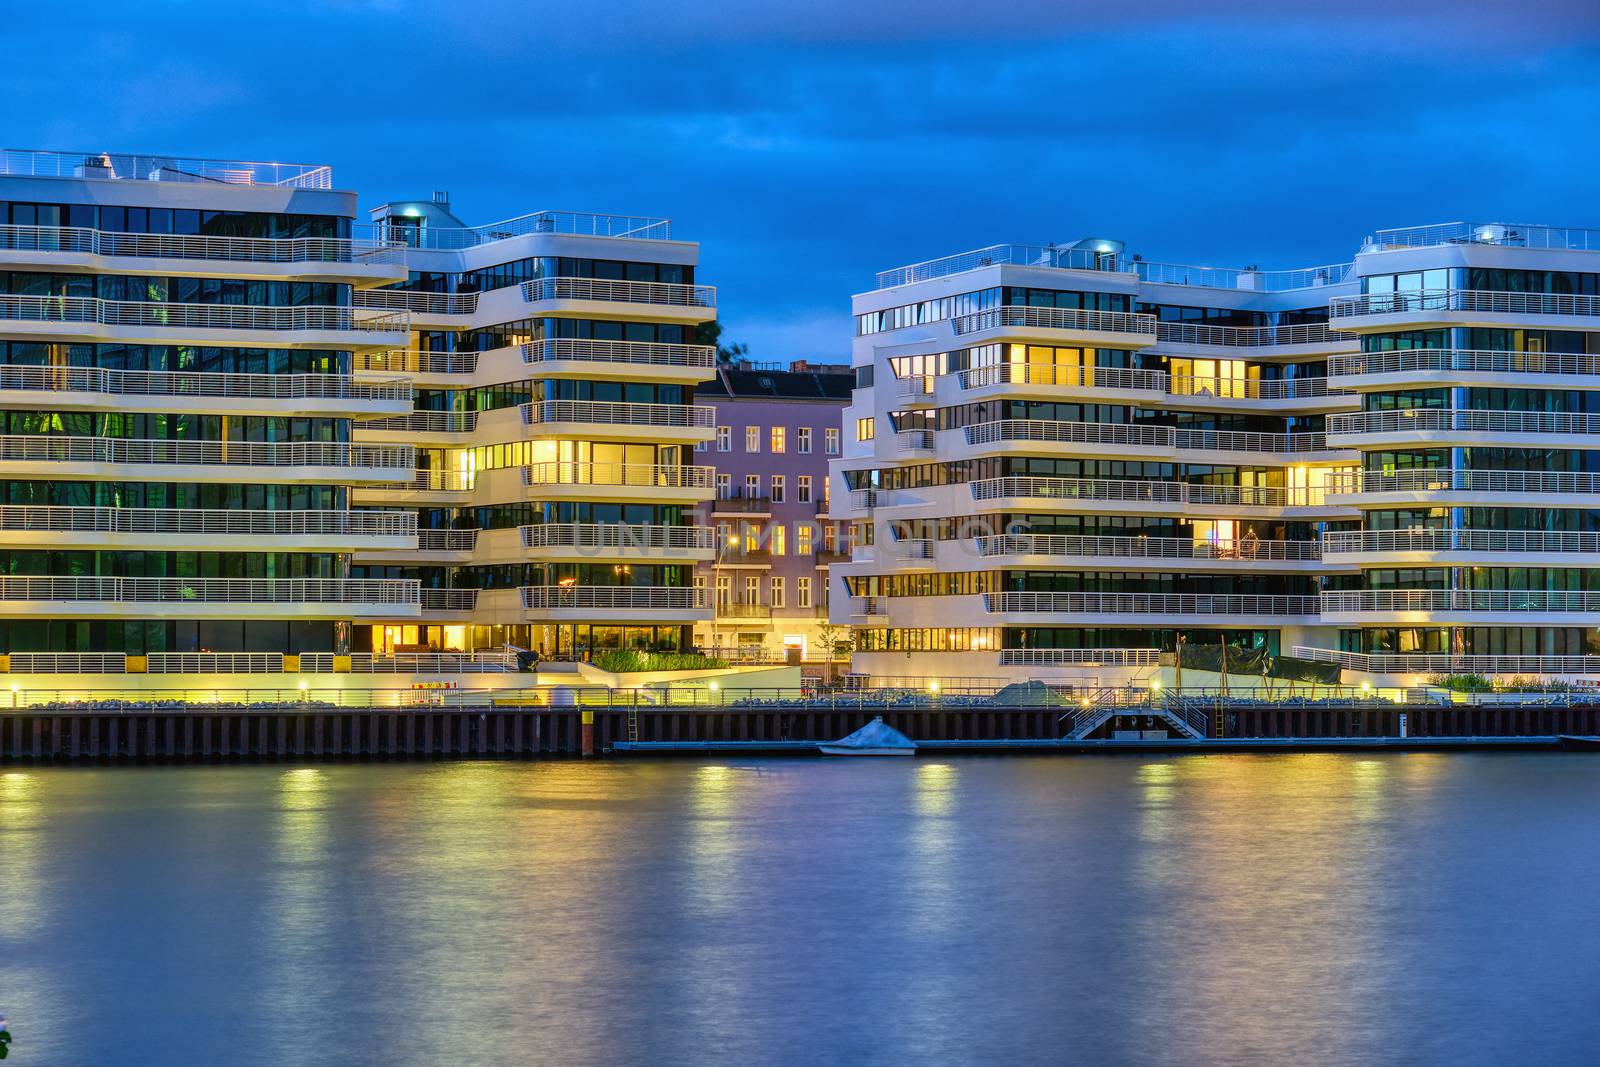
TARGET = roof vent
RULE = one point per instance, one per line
(441, 197)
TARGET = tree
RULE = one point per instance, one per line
(710, 333)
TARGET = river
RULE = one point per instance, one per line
(1305, 909)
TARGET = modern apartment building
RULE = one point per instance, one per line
(179, 340)
(1066, 460)
(555, 358)
(776, 431)
(240, 421)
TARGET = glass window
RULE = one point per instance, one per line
(777, 593)
(724, 438)
(803, 489)
(752, 439)
(831, 441)
(779, 445)
(777, 488)
(802, 440)
(802, 592)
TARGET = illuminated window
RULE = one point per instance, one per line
(778, 547)
(802, 539)
(779, 445)
(866, 429)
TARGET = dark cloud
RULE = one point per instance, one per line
(809, 145)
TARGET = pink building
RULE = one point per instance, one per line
(776, 431)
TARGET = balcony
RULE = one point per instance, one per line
(1150, 553)
(1111, 329)
(1046, 378)
(1047, 436)
(418, 302)
(1517, 548)
(1220, 609)
(168, 529)
(1545, 489)
(739, 502)
(1410, 426)
(1462, 366)
(90, 319)
(1499, 234)
(448, 605)
(732, 613)
(598, 297)
(207, 598)
(440, 428)
(1300, 339)
(563, 357)
(618, 541)
(1460, 307)
(914, 442)
(99, 388)
(408, 361)
(869, 609)
(135, 459)
(1052, 256)
(1447, 663)
(916, 391)
(1153, 497)
(296, 258)
(619, 481)
(620, 603)
(1523, 607)
(575, 223)
(684, 423)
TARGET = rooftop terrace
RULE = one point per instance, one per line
(122, 166)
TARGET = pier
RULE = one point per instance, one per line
(204, 733)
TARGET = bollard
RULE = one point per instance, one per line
(588, 733)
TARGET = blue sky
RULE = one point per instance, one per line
(809, 144)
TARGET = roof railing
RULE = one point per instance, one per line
(573, 223)
(123, 166)
(1504, 234)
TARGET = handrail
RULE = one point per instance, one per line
(1465, 420)
(601, 535)
(124, 166)
(1145, 491)
(1253, 388)
(1242, 549)
(1080, 657)
(667, 293)
(562, 472)
(1434, 480)
(449, 599)
(699, 416)
(1487, 361)
(208, 521)
(211, 590)
(89, 241)
(1394, 662)
(1046, 318)
(1136, 435)
(1342, 542)
(420, 302)
(51, 448)
(1389, 600)
(1058, 257)
(648, 353)
(1247, 278)
(444, 481)
(1484, 300)
(577, 223)
(1067, 375)
(446, 540)
(424, 422)
(158, 313)
(401, 360)
(631, 597)
(1505, 234)
(220, 384)
(1196, 333)
(1150, 604)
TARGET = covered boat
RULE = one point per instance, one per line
(877, 738)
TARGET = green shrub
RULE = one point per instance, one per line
(626, 661)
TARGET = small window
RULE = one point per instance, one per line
(802, 440)
(752, 439)
(830, 441)
(802, 489)
(777, 593)
(777, 488)
(752, 485)
(802, 592)
(779, 445)
(724, 438)
(866, 429)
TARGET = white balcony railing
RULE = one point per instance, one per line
(698, 416)
(1044, 318)
(424, 422)
(1435, 420)
(1133, 435)
(1242, 549)
(412, 662)
(1427, 480)
(614, 597)
(596, 536)
(401, 361)
(198, 384)
(1461, 600)
(446, 540)
(663, 293)
(1443, 662)
(640, 353)
(1059, 257)
(1267, 281)
(444, 481)
(1469, 300)
(168, 314)
(1132, 490)
(620, 474)
(1193, 333)
(1504, 234)
(207, 521)
(915, 440)
(579, 223)
(1252, 388)
(1150, 604)
(212, 590)
(1080, 657)
(1346, 542)
(1065, 376)
(124, 166)
(1482, 361)
(456, 600)
(47, 448)
(412, 300)
(81, 239)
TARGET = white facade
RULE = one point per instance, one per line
(1064, 460)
